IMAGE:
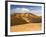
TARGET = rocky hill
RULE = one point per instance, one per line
(23, 18)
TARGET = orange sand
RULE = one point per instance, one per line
(26, 27)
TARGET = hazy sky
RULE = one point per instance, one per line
(37, 10)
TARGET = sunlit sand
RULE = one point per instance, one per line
(26, 27)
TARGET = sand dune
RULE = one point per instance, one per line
(26, 27)
(23, 18)
(21, 22)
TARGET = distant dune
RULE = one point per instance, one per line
(24, 18)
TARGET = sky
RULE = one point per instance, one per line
(37, 10)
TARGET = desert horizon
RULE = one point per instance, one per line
(21, 22)
(25, 18)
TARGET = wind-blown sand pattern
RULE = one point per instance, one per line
(26, 27)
